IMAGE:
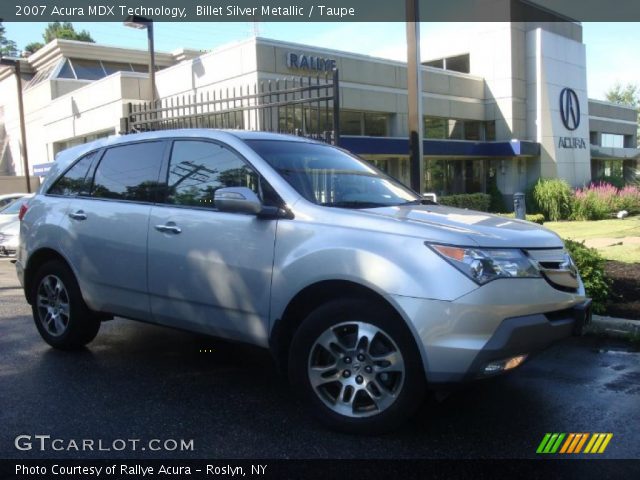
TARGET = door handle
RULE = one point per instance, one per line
(79, 215)
(168, 229)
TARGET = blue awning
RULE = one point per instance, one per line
(440, 148)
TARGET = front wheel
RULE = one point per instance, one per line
(358, 366)
(62, 318)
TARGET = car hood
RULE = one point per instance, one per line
(473, 228)
(11, 228)
(7, 219)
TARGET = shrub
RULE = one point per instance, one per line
(628, 199)
(591, 267)
(497, 203)
(600, 200)
(534, 217)
(587, 205)
(553, 198)
(472, 201)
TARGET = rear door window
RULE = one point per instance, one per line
(129, 172)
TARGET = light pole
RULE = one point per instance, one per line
(414, 96)
(135, 21)
(15, 65)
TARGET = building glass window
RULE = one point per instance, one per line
(350, 123)
(375, 124)
(454, 176)
(87, 69)
(611, 140)
(456, 129)
(66, 71)
(113, 67)
(472, 130)
(435, 127)
(59, 146)
(490, 130)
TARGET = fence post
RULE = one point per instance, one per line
(336, 108)
(124, 121)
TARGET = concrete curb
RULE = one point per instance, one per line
(614, 327)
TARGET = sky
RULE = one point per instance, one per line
(611, 47)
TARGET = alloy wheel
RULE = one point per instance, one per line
(356, 369)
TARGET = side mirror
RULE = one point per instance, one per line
(237, 200)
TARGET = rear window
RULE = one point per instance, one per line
(76, 181)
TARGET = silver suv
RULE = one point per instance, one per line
(365, 292)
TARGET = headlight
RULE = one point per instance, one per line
(485, 264)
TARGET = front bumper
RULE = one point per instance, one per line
(503, 319)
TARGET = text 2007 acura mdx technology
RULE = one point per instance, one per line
(364, 291)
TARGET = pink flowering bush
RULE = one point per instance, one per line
(600, 200)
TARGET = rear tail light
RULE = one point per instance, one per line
(23, 210)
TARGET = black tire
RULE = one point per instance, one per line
(77, 328)
(410, 389)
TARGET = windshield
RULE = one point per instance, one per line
(328, 176)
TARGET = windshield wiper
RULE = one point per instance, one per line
(420, 201)
(354, 204)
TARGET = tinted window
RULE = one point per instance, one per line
(197, 169)
(129, 172)
(75, 181)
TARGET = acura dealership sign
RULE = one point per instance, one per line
(570, 109)
(570, 115)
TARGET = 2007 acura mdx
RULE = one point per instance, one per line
(364, 291)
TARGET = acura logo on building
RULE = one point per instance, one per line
(569, 109)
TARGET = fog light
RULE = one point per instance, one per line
(504, 365)
(514, 362)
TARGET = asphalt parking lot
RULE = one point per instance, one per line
(138, 381)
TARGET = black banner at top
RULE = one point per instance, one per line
(316, 10)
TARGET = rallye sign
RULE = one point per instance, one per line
(302, 61)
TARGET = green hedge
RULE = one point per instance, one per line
(472, 201)
(591, 267)
(535, 217)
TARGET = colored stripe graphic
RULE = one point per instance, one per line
(550, 443)
(568, 442)
(543, 443)
(573, 443)
(579, 446)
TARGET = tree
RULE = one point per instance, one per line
(33, 47)
(7, 47)
(65, 31)
(628, 95)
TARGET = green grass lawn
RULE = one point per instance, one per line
(605, 229)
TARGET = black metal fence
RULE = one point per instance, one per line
(305, 106)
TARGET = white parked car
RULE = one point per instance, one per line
(7, 198)
(9, 238)
(9, 213)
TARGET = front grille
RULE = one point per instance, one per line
(557, 268)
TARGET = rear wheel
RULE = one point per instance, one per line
(357, 365)
(63, 319)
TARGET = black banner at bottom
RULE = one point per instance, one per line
(325, 469)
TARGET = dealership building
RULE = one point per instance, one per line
(508, 106)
